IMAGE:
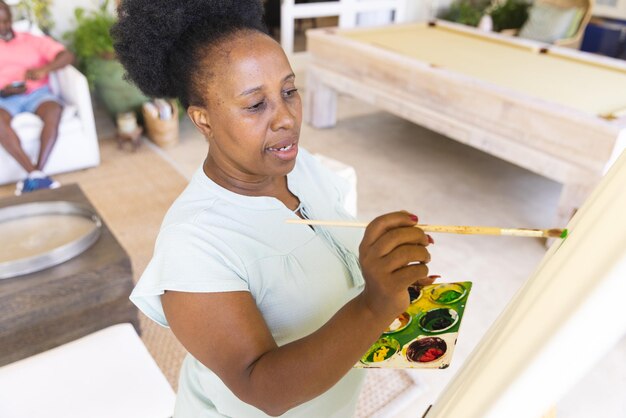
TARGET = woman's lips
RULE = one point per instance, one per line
(285, 150)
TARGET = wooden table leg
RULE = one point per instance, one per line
(320, 102)
(132, 138)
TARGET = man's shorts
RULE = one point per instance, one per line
(29, 102)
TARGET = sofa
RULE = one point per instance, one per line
(77, 144)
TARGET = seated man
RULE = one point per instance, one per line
(25, 61)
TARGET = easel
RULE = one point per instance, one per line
(536, 349)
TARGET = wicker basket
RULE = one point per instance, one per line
(164, 133)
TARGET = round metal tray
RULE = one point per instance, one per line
(57, 255)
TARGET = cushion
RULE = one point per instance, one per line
(573, 27)
(547, 23)
(24, 120)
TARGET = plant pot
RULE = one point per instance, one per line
(117, 94)
(164, 133)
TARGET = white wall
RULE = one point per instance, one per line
(615, 9)
(422, 10)
(417, 10)
(63, 13)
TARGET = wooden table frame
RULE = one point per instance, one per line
(563, 144)
(45, 309)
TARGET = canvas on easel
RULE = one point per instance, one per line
(561, 323)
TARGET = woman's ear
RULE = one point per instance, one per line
(199, 116)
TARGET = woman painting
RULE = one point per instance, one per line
(273, 315)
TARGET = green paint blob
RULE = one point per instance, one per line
(438, 319)
(448, 296)
(438, 323)
(564, 233)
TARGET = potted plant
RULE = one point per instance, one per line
(92, 44)
(467, 12)
(509, 15)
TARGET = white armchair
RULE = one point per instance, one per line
(77, 144)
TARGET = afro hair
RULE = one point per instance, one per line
(162, 43)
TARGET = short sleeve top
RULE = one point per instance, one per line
(214, 240)
(24, 52)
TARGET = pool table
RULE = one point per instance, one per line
(560, 113)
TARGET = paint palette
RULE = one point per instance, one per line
(424, 336)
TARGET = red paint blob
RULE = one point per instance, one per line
(430, 355)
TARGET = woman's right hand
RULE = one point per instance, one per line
(393, 256)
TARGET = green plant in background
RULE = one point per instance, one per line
(91, 38)
(510, 14)
(92, 44)
(467, 12)
(38, 12)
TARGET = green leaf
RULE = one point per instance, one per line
(91, 38)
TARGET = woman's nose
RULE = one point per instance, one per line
(283, 117)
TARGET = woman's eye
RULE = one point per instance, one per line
(289, 93)
(257, 106)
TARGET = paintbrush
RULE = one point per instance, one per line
(452, 229)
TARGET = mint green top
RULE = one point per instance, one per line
(213, 240)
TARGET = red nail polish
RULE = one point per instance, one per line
(413, 217)
(430, 239)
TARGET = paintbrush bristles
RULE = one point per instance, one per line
(452, 229)
(557, 233)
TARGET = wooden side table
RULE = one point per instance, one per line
(134, 139)
(42, 310)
